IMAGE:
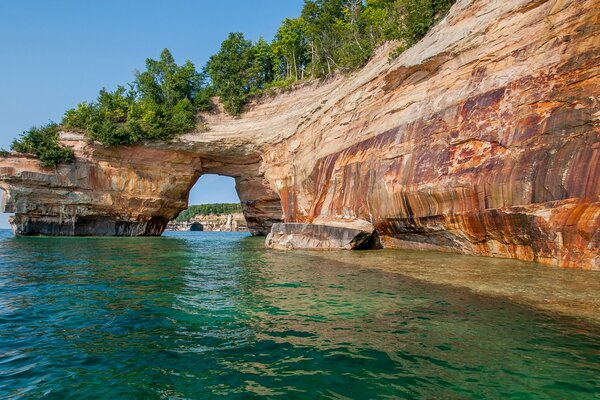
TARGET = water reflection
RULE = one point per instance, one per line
(204, 315)
(402, 325)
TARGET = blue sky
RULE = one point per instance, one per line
(54, 54)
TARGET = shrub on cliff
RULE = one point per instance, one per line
(42, 142)
(161, 103)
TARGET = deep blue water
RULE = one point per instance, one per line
(214, 315)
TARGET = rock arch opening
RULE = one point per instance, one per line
(213, 189)
(213, 192)
(4, 217)
(260, 203)
(129, 190)
(213, 206)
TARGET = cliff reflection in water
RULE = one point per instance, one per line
(198, 315)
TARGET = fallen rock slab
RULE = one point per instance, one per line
(288, 236)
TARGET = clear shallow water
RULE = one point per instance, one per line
(209, 315)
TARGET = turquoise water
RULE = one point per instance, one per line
(209, 315)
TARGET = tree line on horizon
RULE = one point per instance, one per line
(162, 102)
(208, 209)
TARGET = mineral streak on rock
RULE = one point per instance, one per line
(483, 138)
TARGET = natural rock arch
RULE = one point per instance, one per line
(126, 191)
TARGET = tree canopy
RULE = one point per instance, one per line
(234, 71)
(160, 103)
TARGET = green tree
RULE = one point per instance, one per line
(208, 209)
(290, 49)
(161, 102)
(232, 72)
(42, 142)
(322, 19)
(263, 66)
(166, 82)
(380, 21)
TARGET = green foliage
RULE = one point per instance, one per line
(162, 102)
(208, 209)
(263, 65)
(42, 142)
(329, 36)
(289, 49)
(325, 30)
(418, 18)
(279, 86)
(240, 69)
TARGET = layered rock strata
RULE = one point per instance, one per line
(483, 138)
(127, 191)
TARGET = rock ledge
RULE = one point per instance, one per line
(318, 237)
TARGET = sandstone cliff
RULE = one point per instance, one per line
(484, 138)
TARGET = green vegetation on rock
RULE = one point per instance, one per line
(329, 36)
(208, 209)
(42, 142)
(161, 102)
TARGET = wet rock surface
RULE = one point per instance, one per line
(319, 237)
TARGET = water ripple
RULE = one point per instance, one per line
(214, 315)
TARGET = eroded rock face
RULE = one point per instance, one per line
(124, 191)
(484, 138)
